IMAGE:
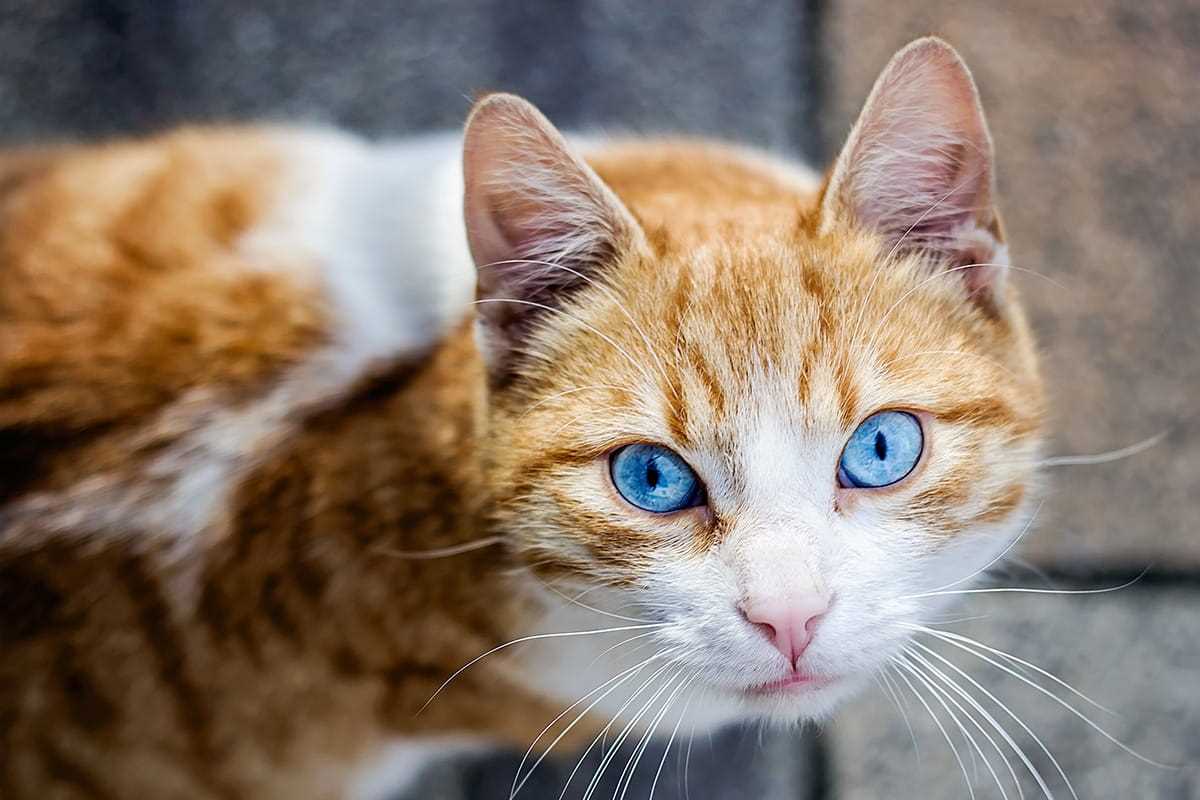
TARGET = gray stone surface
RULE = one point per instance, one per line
(1094, 109)
(737, 763)
(1136, 651)
(86, 67)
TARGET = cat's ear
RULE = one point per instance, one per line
(918, 167)
(540, 222)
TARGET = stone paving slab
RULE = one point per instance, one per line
(1136, 651)
(1095, 109)
(731, 765)
(77, 67)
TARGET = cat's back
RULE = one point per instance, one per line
(205, 285)
(174, 313)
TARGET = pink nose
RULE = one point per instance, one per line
(788, 622)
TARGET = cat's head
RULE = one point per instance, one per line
(786, 422)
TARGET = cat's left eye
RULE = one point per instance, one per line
(883, 450)
(655, 478)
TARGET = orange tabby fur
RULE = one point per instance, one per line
(268, 656)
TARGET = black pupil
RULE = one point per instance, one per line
(652, 474)
(881, 446)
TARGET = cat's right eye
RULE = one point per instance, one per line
(883, 450)
(655, 478)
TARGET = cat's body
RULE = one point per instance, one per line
(247, 423)
(202, 583)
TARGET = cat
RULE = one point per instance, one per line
(321, 456)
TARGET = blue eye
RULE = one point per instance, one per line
(655, 478)
(881, 451)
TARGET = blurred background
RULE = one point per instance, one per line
(1095, 109)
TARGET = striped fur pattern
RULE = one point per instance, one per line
(245, 400)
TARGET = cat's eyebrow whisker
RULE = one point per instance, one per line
(1105, 457)
(1055, 283)
(574, 390)
(870, 345)
(966, 353)
(442, 552)
(942, 273)
(999, 704)
(587, 326)
(569, 423)
(603, 288)
(532, 638)
(884, 266)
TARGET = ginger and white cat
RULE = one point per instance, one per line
(269, 478)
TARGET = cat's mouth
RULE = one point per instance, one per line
(792, 683)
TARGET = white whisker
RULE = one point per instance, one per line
(963, 643)
(624, 734)
(611, 296)
(604, 731)
(640, 750)
(587, 326)
(1002, 554)
(442, 552)
(996, 726)
(883, 319)
(620, 678)
(687, 764)
(670, 741)
(1023, 590)
(621, 643)
(886, 264)
(558, 431)
(564, 393)
(940, 727)
(943, 697)
(575, 601)
(1104, 458)
(1003, 707)
(887, 684)
(533, 638)
(1043, 690)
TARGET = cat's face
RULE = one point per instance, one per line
(783, 425)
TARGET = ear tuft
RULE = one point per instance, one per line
(539, 220)
(918, 166)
